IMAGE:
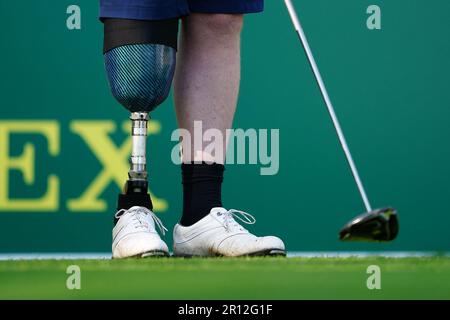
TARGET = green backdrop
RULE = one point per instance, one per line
(390, 88)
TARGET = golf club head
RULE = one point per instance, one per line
(377, 225)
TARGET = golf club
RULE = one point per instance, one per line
(373, 225)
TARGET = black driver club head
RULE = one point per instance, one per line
(377, 225)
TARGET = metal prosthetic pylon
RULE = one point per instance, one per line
(137, 175)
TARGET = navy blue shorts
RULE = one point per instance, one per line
(166, 9)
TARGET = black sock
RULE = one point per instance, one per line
(126, 201)
(202, 190)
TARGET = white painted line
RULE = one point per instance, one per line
(292, 254)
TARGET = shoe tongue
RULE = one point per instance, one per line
(218, 211)
(146, 218)
(220, 214)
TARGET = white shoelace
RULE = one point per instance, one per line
(231, 224)
(137, 215)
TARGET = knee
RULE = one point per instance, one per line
(223, 24)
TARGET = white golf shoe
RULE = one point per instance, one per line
(135, 236)
(219, 234)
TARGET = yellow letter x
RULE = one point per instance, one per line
(114, 160)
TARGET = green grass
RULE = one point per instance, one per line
(221, 278)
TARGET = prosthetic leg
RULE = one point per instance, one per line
(137, 183)
(140, 64)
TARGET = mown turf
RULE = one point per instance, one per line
(221, 278)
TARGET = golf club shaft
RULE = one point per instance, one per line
(326, 98)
